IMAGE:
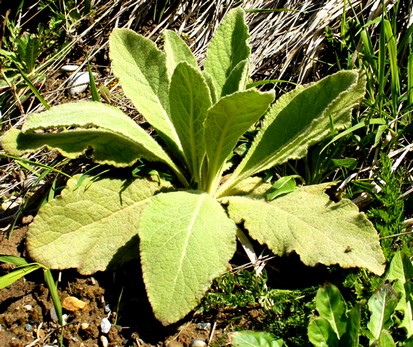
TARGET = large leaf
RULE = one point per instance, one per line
(142, 72)
(186, 240)
(176, 51)
(227, 120)
(190, 101)
(227, 48)
(381, 305)
(112, 136)
(308, 222)
(90, 226)
(332, 307)
(300, 119)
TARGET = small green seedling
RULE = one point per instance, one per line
(185, 230)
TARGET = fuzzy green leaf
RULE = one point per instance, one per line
(227, 48)
(142, 72)
(114, 138)
(332, 307)
(177, 51)
(381, 305)
(186, 240)
(190, 101)
(300, 119)
(227, 121)
(308, 222)
(237, 79)
(90, 226)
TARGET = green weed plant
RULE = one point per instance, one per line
(185, 229)
(390, 318)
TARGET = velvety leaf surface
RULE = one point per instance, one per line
(299, 119)
(308, 222)
(176, 51)
(186, 241)
(190, 101)
(227, 120)
(227, 48)
(87, 226)
(94, 126)
(141, 69)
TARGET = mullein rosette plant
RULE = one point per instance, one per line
(185, 230)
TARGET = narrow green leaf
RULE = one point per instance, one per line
(186, 240)
(298, 120)
(32, 51)
(331, 306)
(13, 260)
(176, 51)
(321, 334)
(94, 125)
(15, 275)
(32, 87)
(282, 186)
(237, 79)
(227, 48)
(394, 69)
(308, 222)
(227, 121)
(190, 101)
(93, 88)
(410, 79)
(48, 277)
(99, 221)
(142, 72)
(254, 339)
(381, 305)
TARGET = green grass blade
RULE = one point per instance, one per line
(15, 275)
(48, 277)
(33, 88)
(13, 260)
(410, 80)
(93, 88)
(26, 161)
(394, 70)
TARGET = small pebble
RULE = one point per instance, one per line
(105, 325)
(27, 219)
(198, 343)
(204, 326)
(69, 68)
(104, 341)
(73, 304)
(175, 344)
(78, 82)
(84, 326)
(28, 327)
(107, 308)
(28, 307)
